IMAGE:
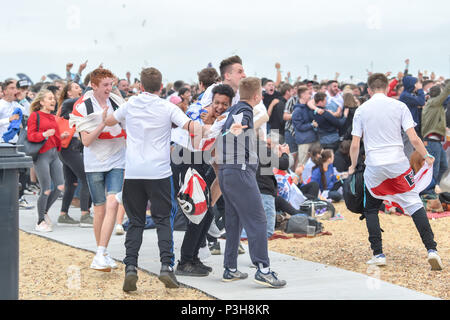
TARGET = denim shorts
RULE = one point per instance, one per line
(104, 183)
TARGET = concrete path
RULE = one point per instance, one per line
(305, 280)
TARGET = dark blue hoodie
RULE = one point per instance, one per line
(302, 118)
(412, 100)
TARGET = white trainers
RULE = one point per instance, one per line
(204, 253)
(434, 260)
(100, 263)
(43, 227)
(110, 261)
(378, 260)
(119, 230)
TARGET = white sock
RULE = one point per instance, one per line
(232, 270)
(101, 251)
(263, 270)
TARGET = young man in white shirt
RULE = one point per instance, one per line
(104, 160)
(148, 175)
(232, 72)
(335, 102)
(7, 105)
(388, 175)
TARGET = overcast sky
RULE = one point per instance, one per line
(180, 37)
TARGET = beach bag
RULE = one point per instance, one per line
(323, 210)
(30, 148)
(194, 197)
(298, 224)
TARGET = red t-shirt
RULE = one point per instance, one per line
(46, 121)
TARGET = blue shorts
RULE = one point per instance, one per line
(99, 182)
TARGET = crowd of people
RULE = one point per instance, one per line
(110, 142)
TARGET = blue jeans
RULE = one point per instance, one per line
(98, 182)
(290, 140)
(440, 163)
(269, 208)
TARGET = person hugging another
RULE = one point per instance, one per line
(237, 178)
(103, 157)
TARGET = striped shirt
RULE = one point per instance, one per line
(289, 108)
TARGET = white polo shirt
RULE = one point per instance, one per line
(379, 121)
(149, 119)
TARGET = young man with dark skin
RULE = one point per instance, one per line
(189, 263)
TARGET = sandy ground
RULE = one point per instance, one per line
(44, 275)
(348, 248)
(67, 276)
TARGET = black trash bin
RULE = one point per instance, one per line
(10, 162)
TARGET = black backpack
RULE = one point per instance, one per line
(90, 108)
(299, 224)
(354, 195)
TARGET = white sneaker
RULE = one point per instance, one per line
(378, 260)
(110, 261)
(214, 231)
(434, 260)
(48, 221)
(204, 253)
(100, 263)
(43, 227)
(119, 230)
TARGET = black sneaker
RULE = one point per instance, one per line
(269, 279)
(215, 248)
(129, 284)
(167, 277)
(199, 263)
(229, 275)
(190, 269)
(66, 220)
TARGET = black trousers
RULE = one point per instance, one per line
(310, 190)
(73, 169)
(195, 234)
(136, 194)
(373, 225)
(24, 178)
